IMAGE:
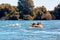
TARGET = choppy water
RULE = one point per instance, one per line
(50, 30)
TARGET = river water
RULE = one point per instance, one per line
(50, 30)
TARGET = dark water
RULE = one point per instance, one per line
(50, 30)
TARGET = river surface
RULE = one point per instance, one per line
(50, 30)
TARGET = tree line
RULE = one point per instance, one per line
(8, 12)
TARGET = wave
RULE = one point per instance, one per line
(45, 32)
(25, 30)
(7, 33)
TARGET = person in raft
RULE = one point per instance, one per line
(33, 24)
(38, 25)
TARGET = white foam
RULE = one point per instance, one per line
(15, 24)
